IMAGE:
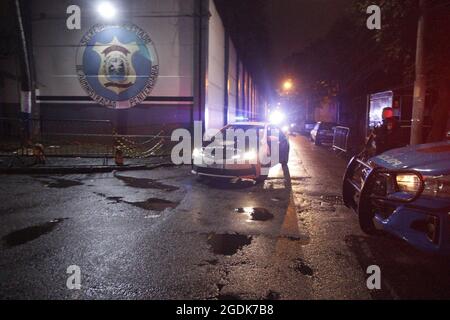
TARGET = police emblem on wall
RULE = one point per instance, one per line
(117, 65)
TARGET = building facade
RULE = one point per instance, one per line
(154, 64)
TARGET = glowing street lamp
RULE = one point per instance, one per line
(106, 10)
(288, 85)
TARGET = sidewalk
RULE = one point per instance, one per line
(67, 165)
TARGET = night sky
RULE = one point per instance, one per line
(295, 23)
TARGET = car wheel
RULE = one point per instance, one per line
(285, 158)
(365, 218)
(366, 212)
(261, 179)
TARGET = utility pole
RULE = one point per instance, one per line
(420, 82)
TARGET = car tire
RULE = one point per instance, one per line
(286, 158)
(261, 179)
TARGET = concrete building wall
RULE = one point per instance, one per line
(198, 64)
(214, 109)
(170, 25)
(232, 83)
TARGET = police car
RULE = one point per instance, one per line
(233, 160)
(405, 192)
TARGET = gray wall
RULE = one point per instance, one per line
(170, 25)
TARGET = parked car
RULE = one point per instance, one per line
(405, 192)
(235, 162)
(307, 127)
(323, 132)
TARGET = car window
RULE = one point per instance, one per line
(327, 126)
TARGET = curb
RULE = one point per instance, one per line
(81, 169)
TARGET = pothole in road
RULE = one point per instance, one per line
(154, 204)
(273, 295)
(228, 244)
(115, 199)
(28, 234)
(256, 214)
(142, 183)
(61, 183)
(303, 268)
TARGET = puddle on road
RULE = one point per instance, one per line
(154, 204)
(272, 295)
(61, 183)
(115, 199)
(28, 234)
(112, 199)
(142, 183)
(228, 244)
(303, 268)
(256, 214)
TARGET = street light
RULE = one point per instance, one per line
(288, 85)
(106, 10)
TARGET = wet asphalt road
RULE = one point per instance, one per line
(163, 234)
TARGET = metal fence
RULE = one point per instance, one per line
(80, 138)
(340, 139)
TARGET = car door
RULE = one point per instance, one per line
(315, 131)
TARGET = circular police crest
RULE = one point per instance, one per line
(117, 65)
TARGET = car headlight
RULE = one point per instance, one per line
(196, 153)
(437, 186)
(410, 183)
(276, 117)
(251, 155)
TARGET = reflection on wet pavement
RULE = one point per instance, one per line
(257, 214)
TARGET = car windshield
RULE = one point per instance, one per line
(327, 126)
(247, 129)
(244, 127)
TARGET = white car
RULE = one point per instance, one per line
(237, 162)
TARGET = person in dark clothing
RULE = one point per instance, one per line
(384, 137)
(388, 135)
